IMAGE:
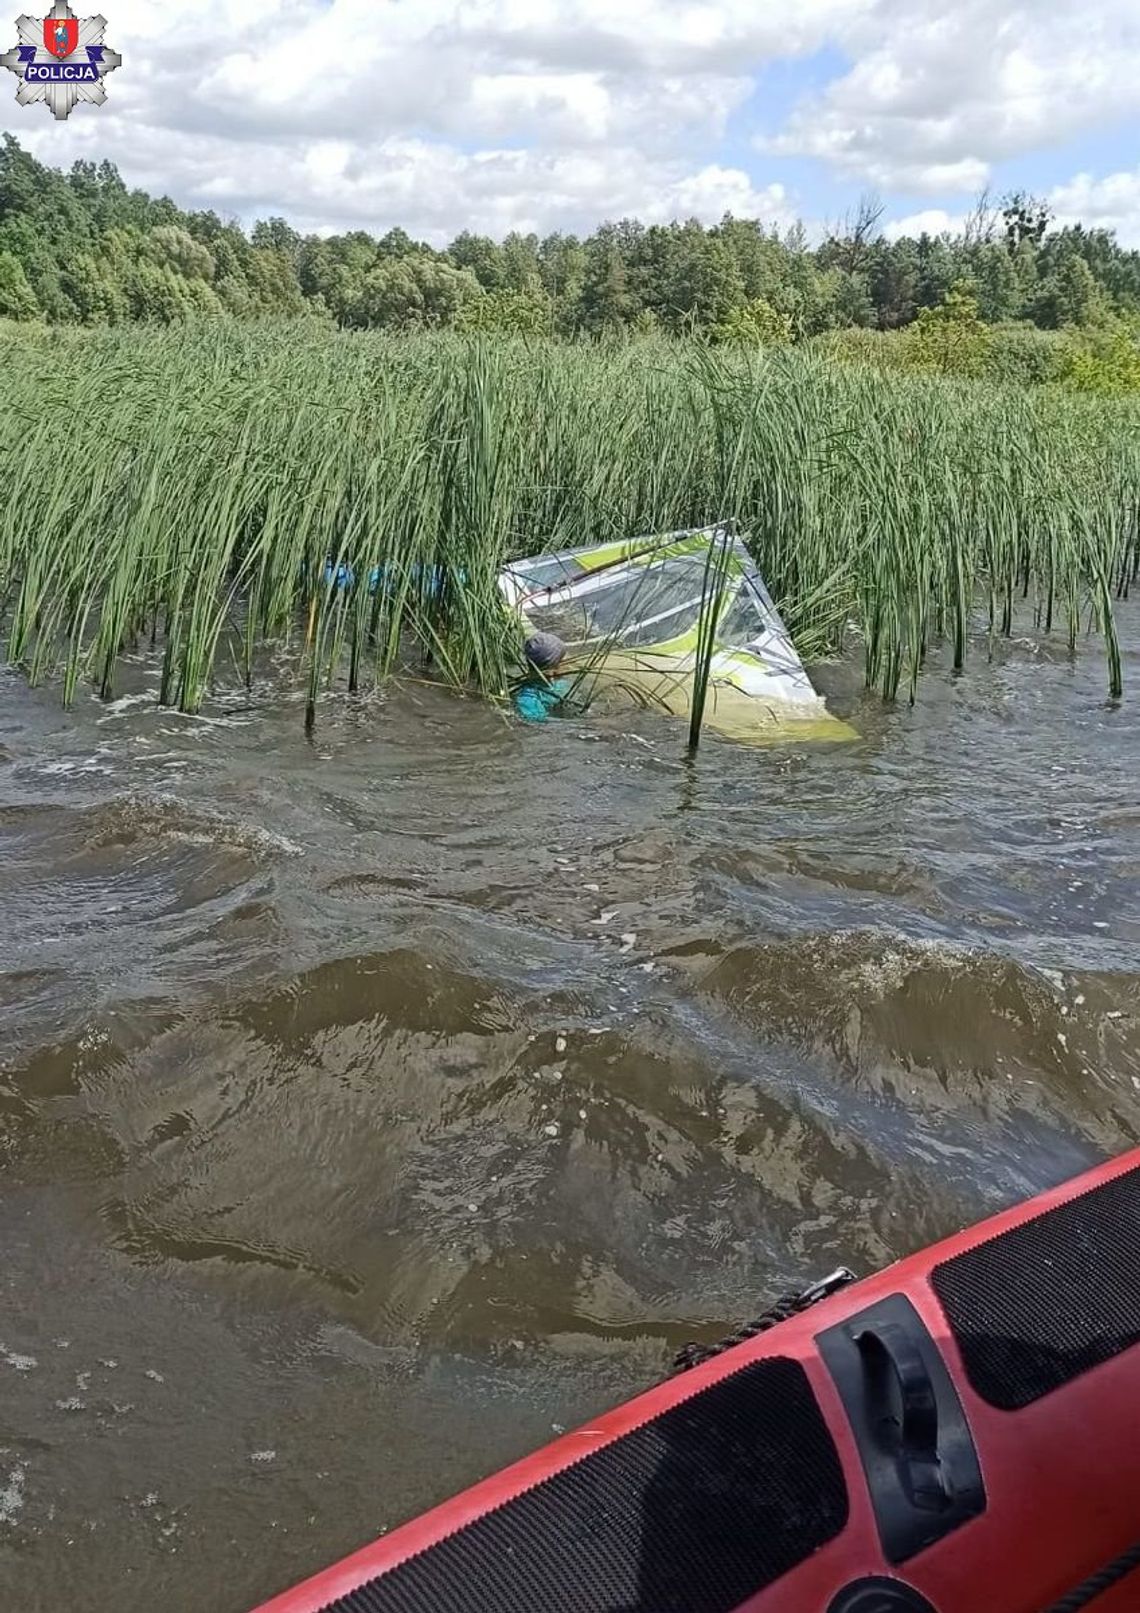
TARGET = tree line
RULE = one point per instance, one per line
(80, 247)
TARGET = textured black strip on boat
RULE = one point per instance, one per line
(1096, 1585)
(1040, 1305)
(701, 1507)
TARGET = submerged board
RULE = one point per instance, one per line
(630, 614)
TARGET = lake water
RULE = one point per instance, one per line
(372, 1107)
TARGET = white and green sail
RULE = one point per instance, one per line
(630, 613)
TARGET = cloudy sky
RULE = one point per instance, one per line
(543, 114)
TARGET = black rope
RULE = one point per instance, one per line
(1099, 1582)
(693, 1355)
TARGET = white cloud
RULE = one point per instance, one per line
(435, 114)
(500, 114)
(434, 190)
(937, 94)
(1112, 203)
(716, 191)
(932, 221)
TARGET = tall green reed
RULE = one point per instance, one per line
(229, 493)
(714, 581)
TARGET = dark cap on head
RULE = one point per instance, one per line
(544, 650)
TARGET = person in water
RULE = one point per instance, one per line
(543, 691)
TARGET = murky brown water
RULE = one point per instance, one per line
(369, 1108)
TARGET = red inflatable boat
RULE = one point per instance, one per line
(960, 1434)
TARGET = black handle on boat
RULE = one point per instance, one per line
(904, 1409)
(915, 1445)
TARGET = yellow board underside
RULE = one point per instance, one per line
(623, 679)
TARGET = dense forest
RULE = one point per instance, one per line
(82, 248)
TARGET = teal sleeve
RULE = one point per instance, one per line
(535, 702)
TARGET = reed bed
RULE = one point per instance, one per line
(221, 491)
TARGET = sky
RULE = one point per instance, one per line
(493, 115)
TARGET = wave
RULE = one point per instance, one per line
(945, 1022)
(147, 817)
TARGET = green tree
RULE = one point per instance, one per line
(756, 323)
(761, 260)
(86, 246)
(334, 270)
(179, 250)
(848, 246)
(1116, 270)
(482, 256)
(994, 274)
(1022, 355)
(94, 289)
(850, 300)
(396, 243)
(235, 297)
(516, 313)
(651, 258)
(407, 293)
(156, 293)
(938, 269)
(1025, 218)
(562, 269)
(520, 263)
(275, 235)
(605, 301)
(951, 339)
(892, 281)
(707, 284)
(1070, 296)
(1105, 361)
(17, 299)
(562, 265)
(314, 266)
(272, 283)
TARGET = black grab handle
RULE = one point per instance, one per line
(915, 1444)
(903, 1408)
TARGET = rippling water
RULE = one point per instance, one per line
(370, 1107)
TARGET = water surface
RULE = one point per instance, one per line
(372, 1107)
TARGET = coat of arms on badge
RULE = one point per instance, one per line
(61, 35)
(61, 59)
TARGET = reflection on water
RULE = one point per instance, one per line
(370, 1106)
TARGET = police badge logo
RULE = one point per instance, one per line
(61, 59)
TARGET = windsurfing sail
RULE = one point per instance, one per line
(630, 613)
